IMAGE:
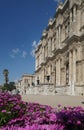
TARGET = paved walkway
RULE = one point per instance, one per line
(54, 100)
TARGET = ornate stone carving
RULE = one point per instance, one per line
(62, 68)
(66, 15)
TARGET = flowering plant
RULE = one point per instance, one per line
(11, 107)
(18, 115)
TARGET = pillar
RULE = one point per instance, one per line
(44, 76)
(74, 13)
(83, 72)
(57, 38)
(74, 73)
(48, 47)
(59, 32)
(71, 22)
(70, 67)
(78, 17)
(36, 64)
(74, 19)
(43, 54)
(39, 58)
(74, 65)
(55, 73)
(51, 73)
(58, 72)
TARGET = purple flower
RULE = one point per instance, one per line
(3, 111)
(78, 122)
(33, 116)
(53, 117)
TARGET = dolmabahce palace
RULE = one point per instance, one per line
(59, 56)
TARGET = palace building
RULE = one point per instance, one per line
(24, 84)
(60, 54)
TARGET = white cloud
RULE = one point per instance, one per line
(33, 52)
(39, 42)
(12, 55)
(34, 46)
(56, 0)
(18, 53)
(14, 52)
(24, 54)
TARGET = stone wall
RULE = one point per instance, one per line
(62, 49)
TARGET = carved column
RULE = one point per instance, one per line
(43, 54)
(44, 75)
(83, 72)
(55, 73)
(41, 76)
(39, 58)
(58, 72)
(36, 64)
(48, 46)
(74, 65)
(70, 67)
(47, 50)
(57, 38)
(70, 22)
(74, 13)
(74, 19)
(73, 71)
(80, 73)
(59, 32)
(78, 25)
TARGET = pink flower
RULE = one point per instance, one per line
(78, 123)
(52, 117)
(3, 111)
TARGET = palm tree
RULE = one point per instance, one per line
(6, 72)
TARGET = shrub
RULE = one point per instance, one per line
(18, 115)
(11, 107)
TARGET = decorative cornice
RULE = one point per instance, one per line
(71, 39)
(38, 69)
(82, 37)
(38, 47)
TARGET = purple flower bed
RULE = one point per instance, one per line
(18, 115)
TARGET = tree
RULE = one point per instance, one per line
(6, 72)
(9, 86)
(12, 86)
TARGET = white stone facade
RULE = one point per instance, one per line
(60, 55)
(25, 84)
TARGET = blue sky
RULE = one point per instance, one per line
(21, 25)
